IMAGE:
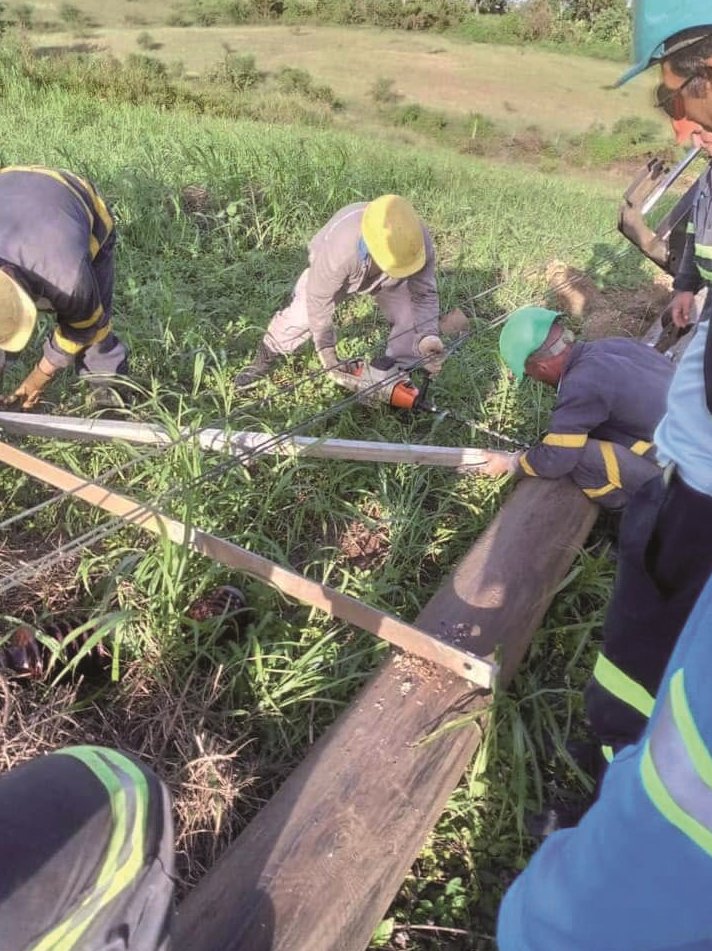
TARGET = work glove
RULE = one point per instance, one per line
(328, 357)
(29, 391)
(498, 464)
(432, 350)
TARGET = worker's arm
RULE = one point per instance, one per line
(423, 292)
(81, 320)
(637, 871)
(582, 405)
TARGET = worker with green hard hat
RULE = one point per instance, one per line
(379, 248)
(636, 873)
(610, 397)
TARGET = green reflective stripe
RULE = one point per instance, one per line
(667, 806)
(703, 250)
(695, 745)
(612, 679)
(670, 770)
(607, 753)
(705, 272)
(690, 227)
(128, 795)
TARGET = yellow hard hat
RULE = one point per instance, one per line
(18, 315)
(393, 235)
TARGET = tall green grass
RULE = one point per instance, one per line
(194, 291)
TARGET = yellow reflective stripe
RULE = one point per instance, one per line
(623, 687)
(72, 347)
(89, 322)
(526, 466)
(705, 272)
(703, 250)
(611, 463)
(566, 440)
(666, 805)
(607, 753)
(94, 247)
(597, 493)
(114, 876)
(696, 746)
(101, 210)
(640, 447)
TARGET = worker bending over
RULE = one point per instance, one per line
(57, 242)
(611, 395)
(86, 854)
(666, 541)
(379, 248)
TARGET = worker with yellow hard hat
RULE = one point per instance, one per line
(380, 248)
(57, 240)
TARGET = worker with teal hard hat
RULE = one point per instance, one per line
(611, 395)
(637, 871)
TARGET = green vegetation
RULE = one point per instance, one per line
(214, 215)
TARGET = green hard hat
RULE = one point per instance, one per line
(655, 21)
(525, 331)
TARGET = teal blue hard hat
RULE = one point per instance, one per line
(525, 331)
(655, 21)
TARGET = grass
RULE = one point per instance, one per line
(231, 713)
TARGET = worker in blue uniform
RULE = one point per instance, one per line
(636, 873)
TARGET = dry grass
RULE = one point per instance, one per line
(185, 731)
(518, 87)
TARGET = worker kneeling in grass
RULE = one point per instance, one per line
(611, 395)
(379, 248)
(57, 242)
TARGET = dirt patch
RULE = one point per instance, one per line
(52, 587)
(365, 546)
(611, 311)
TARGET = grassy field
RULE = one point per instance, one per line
(435, 71)
(224, 717)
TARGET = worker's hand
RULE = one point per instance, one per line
(328, 358)
(29, 391)
(432, 349)
(680, 308)
(498, 463)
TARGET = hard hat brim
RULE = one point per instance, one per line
(407, 270)
(25, 318)
(630, 74)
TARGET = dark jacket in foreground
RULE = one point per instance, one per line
(53, 226)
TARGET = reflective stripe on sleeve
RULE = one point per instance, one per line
(676, 768)
(526, 466)
(127, 790)
(73, 348)
(640, 447)
(623, 687)
(566, 440)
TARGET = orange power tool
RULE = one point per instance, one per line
(380, 382)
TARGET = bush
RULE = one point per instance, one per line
(382, 91)
(636, 130)
(290, 80)
(237, 70)
(146, 41)
(210, 12)
(23, 14)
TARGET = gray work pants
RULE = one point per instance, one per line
(289, 328)
(610, 474)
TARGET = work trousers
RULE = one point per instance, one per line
(289, 328)
(110, 356)
(665, 558)
(86, 854)
(610, 474)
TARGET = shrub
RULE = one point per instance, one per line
(382, 91)
(146, 41)
(23, 14)
(237, 70)
(291, 80)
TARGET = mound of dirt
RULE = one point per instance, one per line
(609, 312)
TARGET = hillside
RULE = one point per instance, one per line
(223, 718)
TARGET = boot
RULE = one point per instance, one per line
(260, 367)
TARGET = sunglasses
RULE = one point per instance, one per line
(671, 100)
